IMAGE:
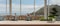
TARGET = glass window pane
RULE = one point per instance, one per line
(54, 7)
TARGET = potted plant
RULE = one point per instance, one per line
(28, 18)
(53, 14)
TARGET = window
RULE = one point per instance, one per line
(20, 9)
(40, 10)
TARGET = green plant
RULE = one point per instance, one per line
(53, 13)
(42, 18)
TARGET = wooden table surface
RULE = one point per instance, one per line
(29, 25)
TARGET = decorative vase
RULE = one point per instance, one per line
(53, 20)
(28, 19)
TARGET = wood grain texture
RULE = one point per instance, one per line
(29, 25)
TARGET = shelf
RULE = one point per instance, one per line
(29, 22)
